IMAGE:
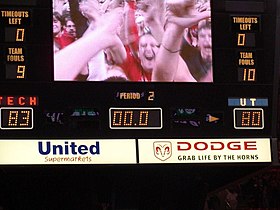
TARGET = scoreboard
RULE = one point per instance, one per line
(101, 132)
(158, 121)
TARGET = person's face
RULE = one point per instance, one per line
(205, 44)
(148, 48)
(71, 28)
(56, 26)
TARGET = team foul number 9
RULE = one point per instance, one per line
(20, 72)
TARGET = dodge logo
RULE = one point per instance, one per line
(162, 150)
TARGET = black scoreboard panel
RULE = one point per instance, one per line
(239, 103)
(244, 64)
(137, 128)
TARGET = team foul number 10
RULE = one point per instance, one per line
(246, 74)
(16, 118)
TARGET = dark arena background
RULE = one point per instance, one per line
(102, 106)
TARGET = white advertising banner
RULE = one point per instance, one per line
(204, 150)
(113, 151)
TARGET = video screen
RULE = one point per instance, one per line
(132, 40)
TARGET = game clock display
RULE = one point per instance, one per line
(135, 118)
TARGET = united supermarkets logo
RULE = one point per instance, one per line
(47, 148)
(68, 152)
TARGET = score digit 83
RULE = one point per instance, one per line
(12, 118)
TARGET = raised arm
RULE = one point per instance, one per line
(69, 62)
(169, 65)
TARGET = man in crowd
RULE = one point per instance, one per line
(61, 39)
(199, 59)
(144, 33)
(170, 66)
(140, 69)
(197, 47)
(70, 27)
(70, 62)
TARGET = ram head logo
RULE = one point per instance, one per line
(162, 150)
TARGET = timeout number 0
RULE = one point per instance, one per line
(125, 118)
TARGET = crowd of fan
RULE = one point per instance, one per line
(132, 40)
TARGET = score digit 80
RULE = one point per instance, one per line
(13, 118)
(248, 118)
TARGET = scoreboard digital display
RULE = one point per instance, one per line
(16, 118)
(118, 70)
(105, 104)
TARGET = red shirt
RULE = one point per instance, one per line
(64, 40)
(133, 69)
